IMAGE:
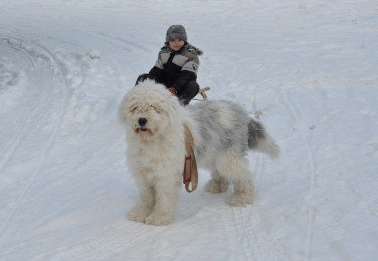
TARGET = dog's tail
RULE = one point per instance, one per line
(260, 140)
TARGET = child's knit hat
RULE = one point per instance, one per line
(176, 32)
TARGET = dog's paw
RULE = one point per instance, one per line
(240, 200)
(217, 186)
(159, 220)
(138, 215)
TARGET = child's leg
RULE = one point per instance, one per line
(189, 92)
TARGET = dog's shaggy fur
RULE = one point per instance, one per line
(223, 133)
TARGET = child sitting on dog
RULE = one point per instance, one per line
(177, 65)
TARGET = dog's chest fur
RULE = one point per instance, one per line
(156, 155)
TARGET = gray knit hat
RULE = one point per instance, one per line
(176, 32)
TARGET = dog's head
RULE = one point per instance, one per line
(148, 108)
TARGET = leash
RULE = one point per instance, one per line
(190, 173)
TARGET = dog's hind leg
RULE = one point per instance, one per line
(217, 184)
(243, 192)
(242, 183)
(233, 167)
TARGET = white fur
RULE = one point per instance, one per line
(156, 151)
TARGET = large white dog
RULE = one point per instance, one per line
(222, 131)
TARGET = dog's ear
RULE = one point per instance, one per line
(174, 102)
(123, 110)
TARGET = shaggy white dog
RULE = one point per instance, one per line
(222, 131)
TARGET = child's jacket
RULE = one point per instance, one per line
(176, 69)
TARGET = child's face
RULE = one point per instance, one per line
(176, 44)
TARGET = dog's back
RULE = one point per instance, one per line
(224, 124)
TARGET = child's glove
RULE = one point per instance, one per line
(172, 90)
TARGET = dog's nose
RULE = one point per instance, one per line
(142, 121)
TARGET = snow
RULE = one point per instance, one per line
(306, 68)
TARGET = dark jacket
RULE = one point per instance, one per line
(176, 69)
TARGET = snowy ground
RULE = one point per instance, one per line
(307, 68)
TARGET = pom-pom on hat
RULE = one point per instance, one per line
(176, 32)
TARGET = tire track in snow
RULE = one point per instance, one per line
(15, 140)
(248, 234)
(14, 143)
(296, 114)
(116, 40)
(121, 40)
(31, 54)
(113, 238)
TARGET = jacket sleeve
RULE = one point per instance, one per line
(156, 74)
(188, 73)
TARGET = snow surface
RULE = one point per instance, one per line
(308, 69)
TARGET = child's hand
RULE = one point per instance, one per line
(172, 90)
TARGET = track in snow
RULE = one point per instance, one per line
(40, 61)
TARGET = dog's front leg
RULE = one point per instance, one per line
(144, 204)
(166, 195)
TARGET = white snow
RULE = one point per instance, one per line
(307, 68)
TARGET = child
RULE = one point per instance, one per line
(177, 65)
